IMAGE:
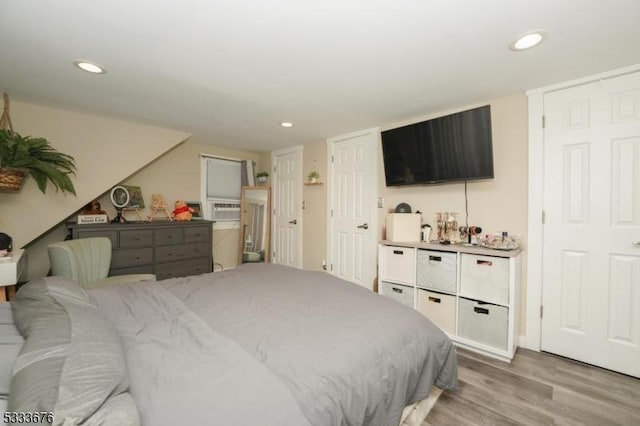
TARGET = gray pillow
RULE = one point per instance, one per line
(10, 343)
(72, 361)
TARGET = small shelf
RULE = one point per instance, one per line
(313, 183)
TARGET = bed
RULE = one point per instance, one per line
(261, 344)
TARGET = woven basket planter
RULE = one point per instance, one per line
(12, 179)
(31, 155)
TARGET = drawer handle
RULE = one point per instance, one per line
(484, 311)
(398, 252)
(435, 299)
(137, 238)
(435, 258)
(484, 262)
(396, 290)
(196, 250)
(137, 257)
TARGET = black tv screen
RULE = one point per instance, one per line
(454, 147)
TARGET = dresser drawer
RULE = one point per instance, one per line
(136, 238)
(485, 278)
(197, 234)
(169, 236)
(123, 258)
(182, 268)
(439, 308)
(146, 269)
(484, 323)
(398, 264)
(86, 233)
(437, 270)
(400, 293)
(180, 252)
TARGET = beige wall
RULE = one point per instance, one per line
(314, 215)
(497, 205)
(314, 197)
(176, 175)
(105, 150)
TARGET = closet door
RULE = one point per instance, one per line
(352, 231)
(591, 255)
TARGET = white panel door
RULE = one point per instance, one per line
(352, 218)
(287, 202)
(591, 255)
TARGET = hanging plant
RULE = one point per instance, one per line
(38, 158)
(20, 155)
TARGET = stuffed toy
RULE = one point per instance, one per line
(93, 208)
(182, 211)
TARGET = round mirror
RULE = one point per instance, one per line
(120, 199)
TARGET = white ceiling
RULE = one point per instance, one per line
(230, 71)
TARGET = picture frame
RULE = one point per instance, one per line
(196, 210)
(136, 200)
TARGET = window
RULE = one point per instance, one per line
(221, 188)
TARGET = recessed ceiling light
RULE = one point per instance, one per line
(89, 67)
(528, 40)
(286, 124)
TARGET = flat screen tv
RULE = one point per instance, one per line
(454, 147)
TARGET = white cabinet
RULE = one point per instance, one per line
(398, 292)
(484, 323)
(484, 278)
(437, 270)
(471, 293)
(440, 308)
(398, 264)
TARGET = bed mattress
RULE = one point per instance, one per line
(274, 346)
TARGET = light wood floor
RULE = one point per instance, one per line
(536, 389)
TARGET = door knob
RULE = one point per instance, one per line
(636, 243)
(363, 226)
(293, 222)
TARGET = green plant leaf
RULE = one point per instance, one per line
(43, 162)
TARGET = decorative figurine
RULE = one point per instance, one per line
(158, 205)
(93, 208)
(182, 212)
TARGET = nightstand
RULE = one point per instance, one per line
(11, 270)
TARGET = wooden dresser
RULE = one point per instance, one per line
(166, 249)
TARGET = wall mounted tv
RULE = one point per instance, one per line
(455, 147)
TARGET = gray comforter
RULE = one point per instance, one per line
(271, 345)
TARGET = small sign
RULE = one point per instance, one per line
(86, 219)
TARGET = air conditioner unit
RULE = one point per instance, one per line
(227, 211)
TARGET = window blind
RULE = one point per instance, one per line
(223, 179)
